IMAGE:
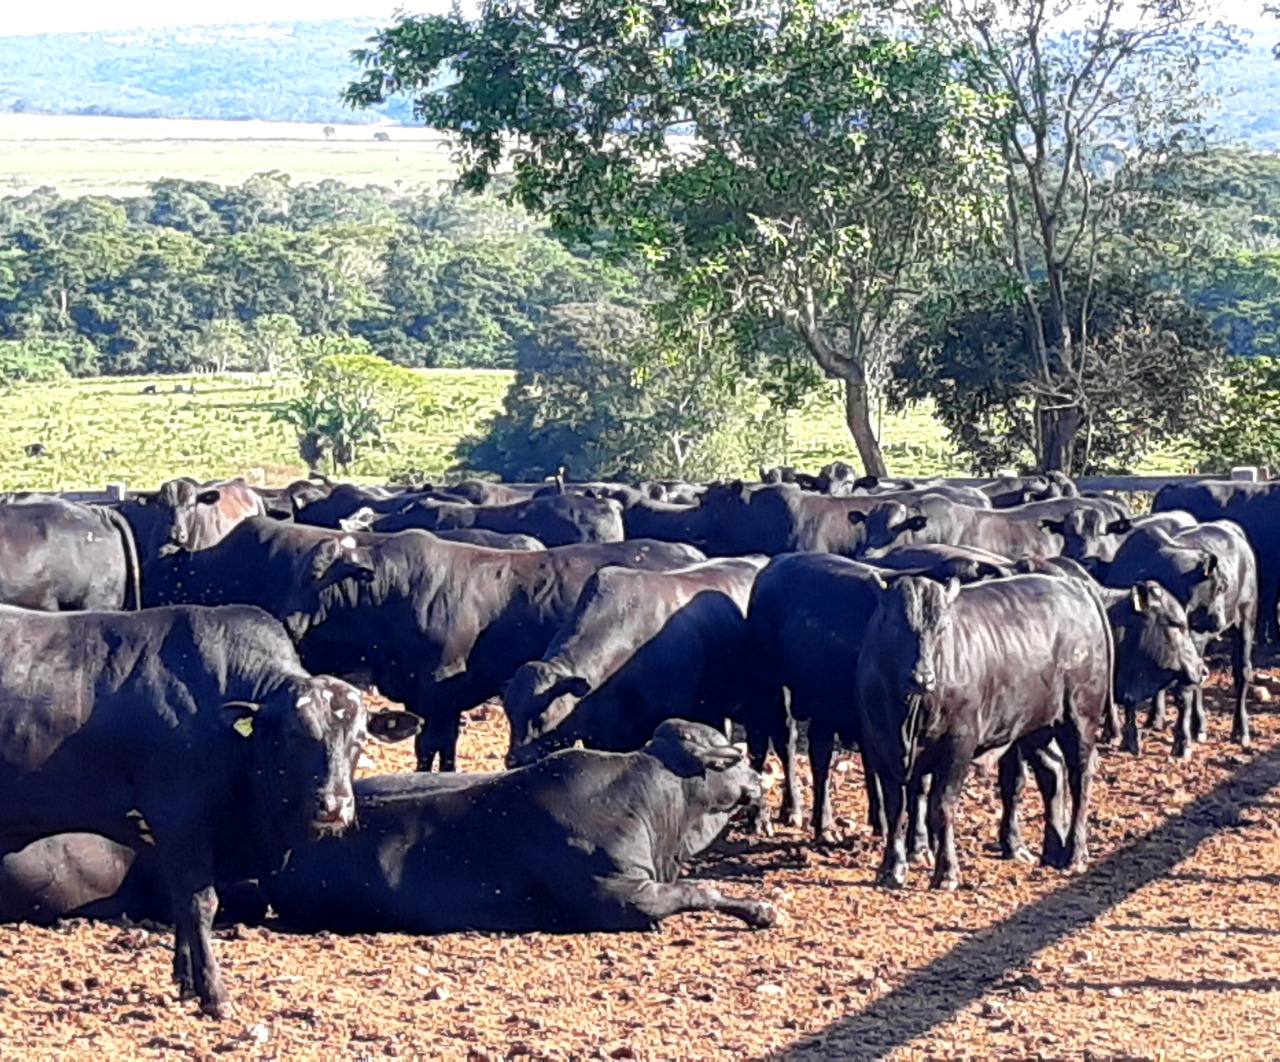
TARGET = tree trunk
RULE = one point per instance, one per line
(1058, 428)
(857, 414)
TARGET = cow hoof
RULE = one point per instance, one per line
(794, 819)
(217, 1009)
(1243, 740)
(1021, 854)
(761, 915)
(890, 879)
(1130, 745)
(1181, 751)
(920, 857)
(947, 884)
(1200, 736)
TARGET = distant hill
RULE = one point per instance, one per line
(294, 72)
(283, 72)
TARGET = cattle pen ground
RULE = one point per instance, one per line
(1164, 948)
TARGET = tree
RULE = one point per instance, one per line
(275, 343)
(223, 345)
(775, 164)
(1242, 424)
(1100, 90)
(348, 396)
(1146, 365)
(601, 391)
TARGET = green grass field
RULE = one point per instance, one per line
(106, 430)
(120, 156)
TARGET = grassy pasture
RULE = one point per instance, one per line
(120, 156)
(105, 429)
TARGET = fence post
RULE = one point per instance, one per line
(115, 492)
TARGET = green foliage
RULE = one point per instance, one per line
(604, 393)
(196, 274)
(348, 397)
(781, 170)
(42, 359)
(1242, 424)
(1147, 364)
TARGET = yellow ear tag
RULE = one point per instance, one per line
(244, 727)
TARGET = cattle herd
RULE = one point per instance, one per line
(175, 737)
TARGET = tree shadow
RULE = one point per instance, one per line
(984, 960)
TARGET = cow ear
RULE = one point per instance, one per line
(1055, 527)
(208, 497)
(718, 757)
(390, 727)
(1210, 564)
(360, 520)
(1120, 527)
(856, 518)
(1140, 597)
(866, 483)
(574, 686)
(915, 523)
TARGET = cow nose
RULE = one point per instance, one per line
(336, 810)
(923, 681)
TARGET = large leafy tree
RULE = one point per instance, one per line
(1103, 92)
(1146, 374)
(778, 163)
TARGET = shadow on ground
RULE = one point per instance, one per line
(991, 958)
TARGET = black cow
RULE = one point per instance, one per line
(1211, 569)
(583, 841)
(439, 625)
(344, 499)
(1010, 491)
(556, 520)
(1154, 649)
(368, 520)
(949, 673)
(57, 555)
(481, 492)
(1013, 533)
(1255, 507)
(942, 563)
(189, 516)
(193, 730)
(1092, 537)
(638, 647)
(805, 624)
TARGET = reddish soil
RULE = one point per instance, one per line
(1164, 948)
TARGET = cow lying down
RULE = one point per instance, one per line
(580, 841)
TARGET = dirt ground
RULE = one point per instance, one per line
(1164, 948)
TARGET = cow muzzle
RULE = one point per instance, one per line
(923, 681)
(335, 813)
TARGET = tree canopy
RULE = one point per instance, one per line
(776, 164)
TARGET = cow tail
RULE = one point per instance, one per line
(1112, 718)
(132, 566)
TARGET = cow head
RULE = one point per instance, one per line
(918, 612)
(539, 701)
(178, 504)
(1084, 534)
(1204, 591)
(718, 779)
(305, 742)
(1154, 645)
(887, 525)
(328, 574)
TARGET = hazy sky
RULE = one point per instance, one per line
(23, 16)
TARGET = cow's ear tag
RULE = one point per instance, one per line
(244, 726)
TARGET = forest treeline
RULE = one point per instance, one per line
(194, 275)
(186, 275)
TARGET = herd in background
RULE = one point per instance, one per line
(165, 741)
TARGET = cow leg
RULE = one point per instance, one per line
(758, 753)
(788, 743)
(1111, 727)
(944, 794)
(1046, 764)
(920, 839)
(439, 738)
(1013, 778)
(875, 799)
(822, 743)
(1156, 718)
(656, 900)
(893, 867)
(1184, 730)
(1131, 741)
(1242, 675)
(1077, 752)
